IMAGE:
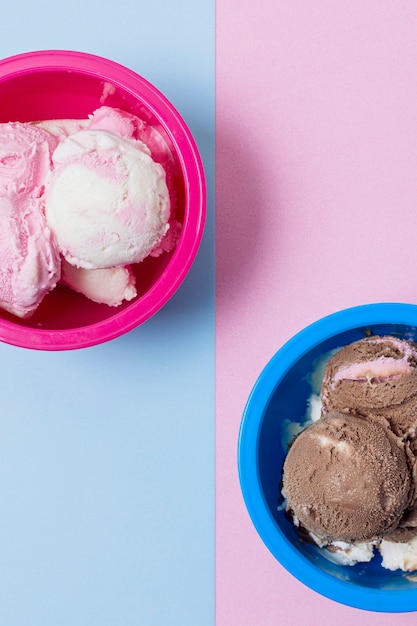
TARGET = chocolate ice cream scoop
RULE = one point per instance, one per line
(347, 478)
(375, 375)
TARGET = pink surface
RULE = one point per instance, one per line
(316, 199)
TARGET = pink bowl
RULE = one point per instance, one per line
(64, 84)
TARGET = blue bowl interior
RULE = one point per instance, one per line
(281, 393)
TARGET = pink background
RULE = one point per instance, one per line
(316, 198)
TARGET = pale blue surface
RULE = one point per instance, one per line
(107, 454)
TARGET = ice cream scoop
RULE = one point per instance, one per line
(89, 190)
(106, 200)
(110, 286)
(117, 122)
(29, 260)
(347, 478)
(375, 375)
(25, 158)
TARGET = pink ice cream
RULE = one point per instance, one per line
(29, 261)
(380, 366)
(94, 193)
(118, 122)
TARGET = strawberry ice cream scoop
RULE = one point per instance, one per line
(29, 260)
(25, 158)
(118, 122)
(107, 201)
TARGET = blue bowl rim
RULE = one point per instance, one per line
(344, 592)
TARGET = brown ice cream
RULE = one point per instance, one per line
(348, 478)
(374, 376)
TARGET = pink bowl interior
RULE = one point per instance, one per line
(53, 84)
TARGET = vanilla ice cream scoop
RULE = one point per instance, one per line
(106, 200)
(110, 285)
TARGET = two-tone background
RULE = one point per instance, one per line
(119, 497)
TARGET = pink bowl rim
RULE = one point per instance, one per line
(195, 211)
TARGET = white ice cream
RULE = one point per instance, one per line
(350, 554)
(401, 556)
(106, 200)
(110, 286)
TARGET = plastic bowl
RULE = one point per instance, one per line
(65, 84)
(281, 391)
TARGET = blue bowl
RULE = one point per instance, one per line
(281, 392)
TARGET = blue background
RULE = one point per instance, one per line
(107, 453)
